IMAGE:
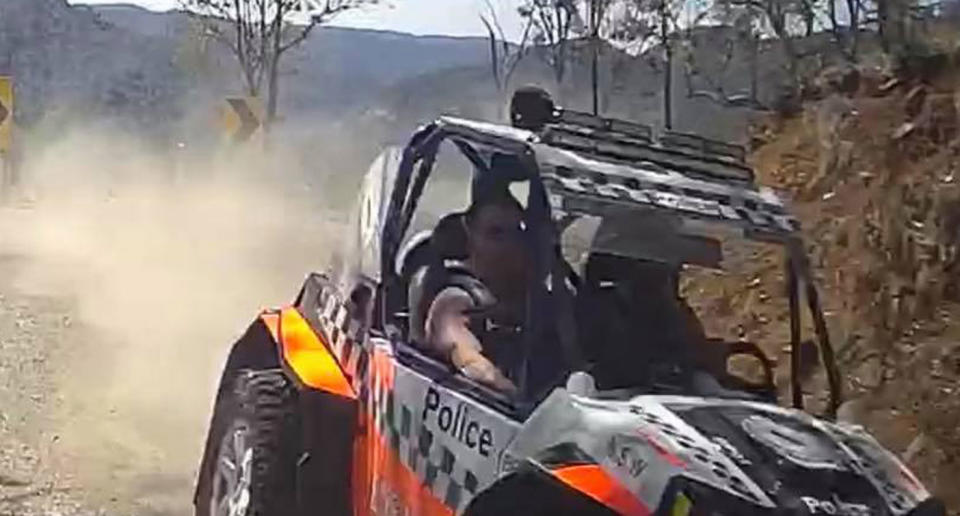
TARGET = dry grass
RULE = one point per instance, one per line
(881, 213)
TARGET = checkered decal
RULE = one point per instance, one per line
(422, 451)
(418, 449)
(345, 336)
(661, 189)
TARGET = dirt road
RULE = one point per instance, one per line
(68, 447)
(35, 333)
(119, 297)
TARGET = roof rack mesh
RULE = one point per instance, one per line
(633, 142)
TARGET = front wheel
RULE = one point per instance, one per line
(256, 461)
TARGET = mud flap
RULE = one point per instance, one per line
(324, 469)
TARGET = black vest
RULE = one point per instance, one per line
(500, 334)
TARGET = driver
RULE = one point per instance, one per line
(476, 323)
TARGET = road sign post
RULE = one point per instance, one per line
(6, 113)
(241, 119)
(6, 135)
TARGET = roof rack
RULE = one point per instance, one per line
(704, 146)
(689, 154)
(611, 126)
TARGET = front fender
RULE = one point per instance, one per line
(305, 354)
(254, 350)
(328, 406)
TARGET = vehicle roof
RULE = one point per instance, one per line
(593, 165)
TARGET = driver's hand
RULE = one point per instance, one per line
(449, 334)
(481, 369)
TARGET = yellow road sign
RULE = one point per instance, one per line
(6, 113)
(241, 118)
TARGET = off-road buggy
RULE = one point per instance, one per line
(329, 406)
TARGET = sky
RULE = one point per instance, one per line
(422, 17)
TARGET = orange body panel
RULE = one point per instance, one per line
(306, 354)
(593, 481)
(383, 484)
(362, 467)
(395, 490)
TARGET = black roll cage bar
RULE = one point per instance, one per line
(416, 166)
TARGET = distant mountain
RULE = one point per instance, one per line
(68, 59)
(631, 88)
(714, 102)
(350, 59)
(147, 69)
(333, 70)
(139, 20)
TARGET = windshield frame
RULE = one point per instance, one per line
(544, 166)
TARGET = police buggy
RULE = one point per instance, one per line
(329, 406)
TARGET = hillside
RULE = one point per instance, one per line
(630, 89)
(873, 173)
(65, 61)
(335, 67)
(164, 84)
(65, 58)
(630, 86)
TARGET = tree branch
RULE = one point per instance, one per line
(330, 10)
(521, 51)
(494, 53)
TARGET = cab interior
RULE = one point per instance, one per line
(633, 331)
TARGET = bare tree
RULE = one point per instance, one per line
(776, 16)
(260, 32)
(194, 55)
(597, 16)
(896, 20)
(741, 39)
(639, 25)
(846, 37)
(855, 10)
(504, 56)
(554, 24)
(808, 11)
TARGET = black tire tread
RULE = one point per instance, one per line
(266, 403)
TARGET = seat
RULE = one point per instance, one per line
(414, 254)
(447, 243)
(627, 312)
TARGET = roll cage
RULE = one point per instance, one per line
(582, 164)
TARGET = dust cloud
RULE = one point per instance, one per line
(165, 257)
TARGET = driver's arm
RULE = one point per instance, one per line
(448, 333)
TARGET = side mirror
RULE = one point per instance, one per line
(761, 363)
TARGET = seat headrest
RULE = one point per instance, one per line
(413, 254)
(449, 239)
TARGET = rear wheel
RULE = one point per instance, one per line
(256, 462)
